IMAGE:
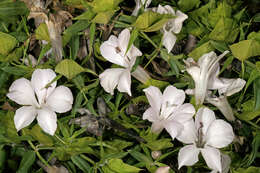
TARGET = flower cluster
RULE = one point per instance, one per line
(200, 130)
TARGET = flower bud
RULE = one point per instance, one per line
(164, 169)
(156, 154)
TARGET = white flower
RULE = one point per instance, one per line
(209, 80)
(205, 135)
(172, 27)
(167, 110)
(139, 4)
(202, 71)
(114, 50)
(42, 107)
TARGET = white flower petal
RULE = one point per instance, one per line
(173, 128)
(232, 86)
(172, 97)
(24, 116)
(110, 78)
(151, 115)
(178, 21)
(219, 134)
(189, 91)
(204, 118)
(225, 162)
(124, 83)
(40, 78)
(154, 97)
(111, 51)
(194, 71)
(169, 9)
(60, 100)
(146, 3)
(157, 127)
(137, 8)
(222, 104)
(188, 155)
(183, 113)
(212, 157)
(133, 52)
(123, 39)
(188, 134)
(161, 9)
(22, 92)
(169, 40)
(47, 120)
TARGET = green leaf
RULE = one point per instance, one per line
(226, 30)
(249, 115)
(257, 93)
(119, 166)
(69, 68)
(81, 163)
(251, 169)
(11, 9)
(42, 33)
(160, 144)
(27, 161)
(223, 10)
(156, 83)
(88, 15)
(103, 17)
(78, 146)
(104, 5)
(256, 17)
(7, 43)
(199, 51)
(141, 157)
(13, 56)
(254, 35)
(151, 21)
(37, 133)
(186, 5)
(245, 49)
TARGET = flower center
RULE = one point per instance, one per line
(168, 26)
(167, 109)
(118, 50)
(200, 143)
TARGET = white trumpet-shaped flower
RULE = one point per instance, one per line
(167, 110)
(39, 101)
(202, 72)
(210, 80)
(205, 135)
(139, 4)
(114, 50)
(226, 87)
(172, 27)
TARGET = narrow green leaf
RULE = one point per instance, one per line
(257, 93)
(27, 161)
(81, 164)
(186, 5)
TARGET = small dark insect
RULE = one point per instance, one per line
(97, 124)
